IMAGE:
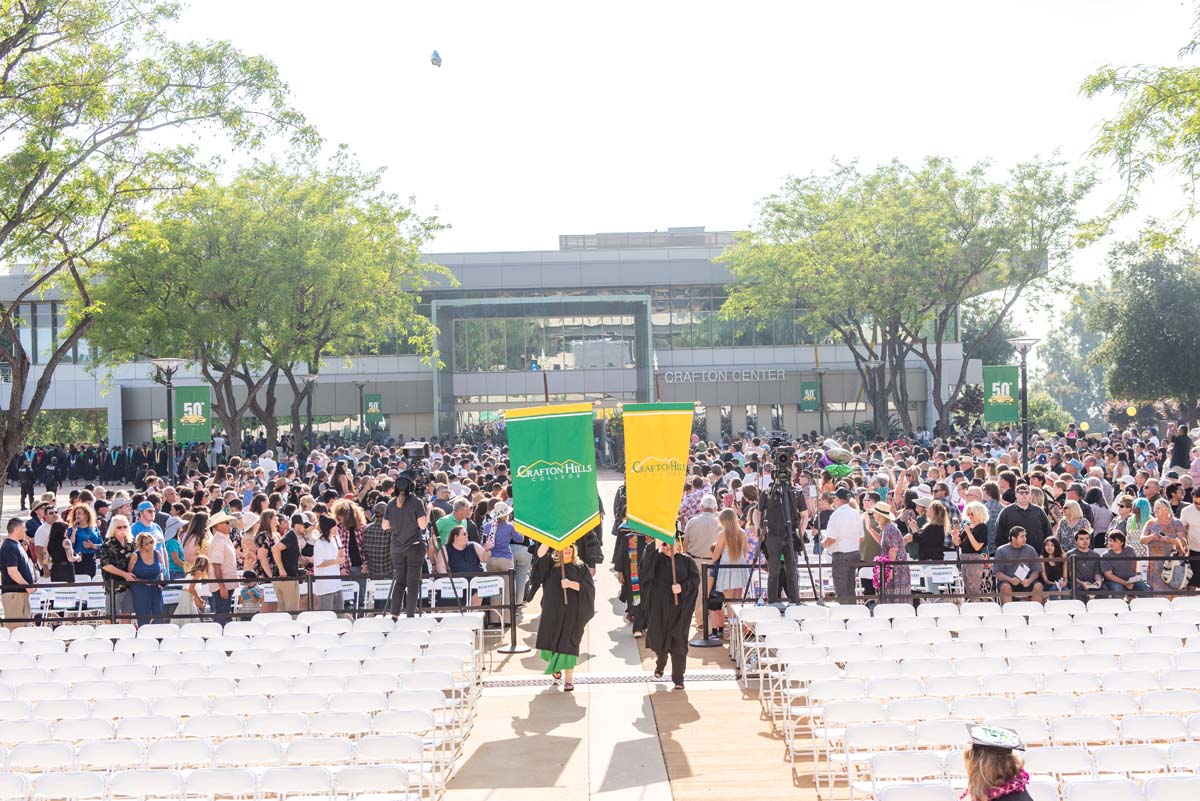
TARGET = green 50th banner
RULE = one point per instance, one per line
(810, 396)
(193, 414)
(374, 410)
(1001, 385)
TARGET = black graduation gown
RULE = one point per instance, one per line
(622, 562)
(667, 623)
(561, 627)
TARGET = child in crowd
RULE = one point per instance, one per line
(250, 597)
(194, 598)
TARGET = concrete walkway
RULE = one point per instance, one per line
(636, 740)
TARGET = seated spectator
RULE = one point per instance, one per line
(1085, 563)
(1018, 569)
(1121, 568)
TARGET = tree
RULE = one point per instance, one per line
(1153, 334)
(1156, 126)
(887, 260)
(58, 426)
(279, 268)
(1067, 374)
(1046, 413)
(86, 88)
(974, 318)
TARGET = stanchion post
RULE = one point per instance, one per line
(112, 602)
(1074, 593)
(513, 646)
(704, 642)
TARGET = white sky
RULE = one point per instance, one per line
(579, 117)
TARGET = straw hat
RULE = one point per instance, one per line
(884, 510)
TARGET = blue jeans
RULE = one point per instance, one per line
(222, 607)
(1115, 587)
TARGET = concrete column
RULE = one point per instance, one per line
(712, 423)
(737, 419)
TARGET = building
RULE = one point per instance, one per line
(606, 318)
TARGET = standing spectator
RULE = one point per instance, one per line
(991, 494)
(1026, 516)
(61, 555)
(193, 599)
(222, 563)
(895, 578)
(16, 576)
(1163, 536)
(376, 547)
(842, 536)
(286, 555)
(502, 537)
(146, 524)
(931, 540)
(85, 539)
(406, 518)
(114, 565)
(971, 540)
(327, 560)
(145, 566)
(350, 524)
(1190, 517)
(730, 549)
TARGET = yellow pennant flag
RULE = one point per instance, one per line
(657, 436)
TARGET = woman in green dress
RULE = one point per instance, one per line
(568, 603)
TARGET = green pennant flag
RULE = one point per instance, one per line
(553, 466)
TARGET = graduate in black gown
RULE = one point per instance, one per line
(668, 623)
(627, 559)
(560, 629)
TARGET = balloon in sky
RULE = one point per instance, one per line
(435, 59)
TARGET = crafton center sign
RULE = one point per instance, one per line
(714, 376)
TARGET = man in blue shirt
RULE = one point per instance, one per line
(16, 577)
(145, 525)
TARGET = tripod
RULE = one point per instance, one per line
(438, 548)
(784, 497)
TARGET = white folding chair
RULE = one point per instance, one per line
(304, 781)
(247, 753)
(383, 780)
(41, 757)
(177, 754)
(1174, 788)
(69, 786)
(320, 751)
(110, 755)
(231, 783)
(1115, 790)
(145, 784)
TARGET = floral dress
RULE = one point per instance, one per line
(1172, 529)
(896, 581)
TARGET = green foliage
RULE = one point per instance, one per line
(1046, 413)
(88, 88)
(970, 405)
(65, 426)
(886, 259)
(1067, 372)
(285, 265)
(1157, 126)
(975, 318)
(1153, 334)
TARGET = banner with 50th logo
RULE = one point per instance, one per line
(193, 414)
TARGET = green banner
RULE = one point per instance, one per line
(193, 414)
(374, 410)
(810, 396)
(1001, 385)
(553, 459)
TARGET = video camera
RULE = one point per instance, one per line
(417, 455)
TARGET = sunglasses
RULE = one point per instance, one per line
(118, 528)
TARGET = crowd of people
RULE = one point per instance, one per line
(1113, 514)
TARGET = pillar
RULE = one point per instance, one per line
(712, 423)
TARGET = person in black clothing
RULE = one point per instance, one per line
(52, 477)
(1023, 514)
(406, 518)
(931, 540)
(619, 513)
(25, 478)
(62, 555)
(1181, 447)
(669, 601)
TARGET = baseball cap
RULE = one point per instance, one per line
(842, 493)
(144, 506)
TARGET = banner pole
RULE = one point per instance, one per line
(674, 579)
(563, 565)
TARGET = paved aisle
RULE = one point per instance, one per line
(635, 740)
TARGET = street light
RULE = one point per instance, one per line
(1023, 346)
(873, 366)
(167, 368)
(362, 413)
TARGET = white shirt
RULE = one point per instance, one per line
(323, 550)
(1190, 516)
(268, 464)
(41, 537)
(845, 529)
(218, 444)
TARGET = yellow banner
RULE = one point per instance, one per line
(657, 436)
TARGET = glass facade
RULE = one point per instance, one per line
(39, 328)
(686, 316)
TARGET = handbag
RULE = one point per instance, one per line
(1176, 573)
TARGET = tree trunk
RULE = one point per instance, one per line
(266, 412)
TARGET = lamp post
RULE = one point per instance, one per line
(1023, 346)
(362, 413)
(304, 447)
(167, 368)
(873, 366)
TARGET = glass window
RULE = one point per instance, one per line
(44, 332)
(25, 325)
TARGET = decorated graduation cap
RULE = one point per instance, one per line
(435, 59)
(995, 737)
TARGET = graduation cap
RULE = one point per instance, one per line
(984, 736)
(435, 59)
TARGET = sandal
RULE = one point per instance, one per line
(568, 688)
(679, 686)
(658, 674)
(556, 676)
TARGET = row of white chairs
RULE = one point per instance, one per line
(282, 623)
(1121, 774)
(234, 783)
(807, 611)
(52, 654)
